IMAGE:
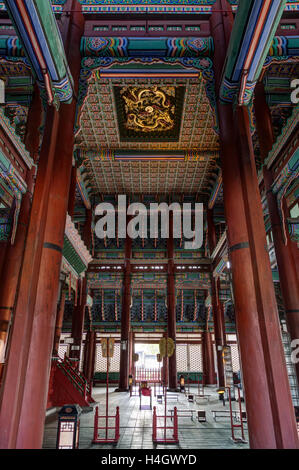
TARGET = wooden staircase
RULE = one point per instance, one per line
(67, 385)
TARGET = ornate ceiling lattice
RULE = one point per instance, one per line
(153, 177)
(99, 120)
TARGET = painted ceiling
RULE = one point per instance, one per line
(152, 177)
(149, 112)
(100, 123)
(148, 115)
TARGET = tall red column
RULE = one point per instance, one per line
(12, 263)
(208, 358)
(78, 324)
(218, 317)
(270, 413)
(284, 254)
(131, 352)
(14, 253)
(89, 355)
(38, 369)
(125, 319)
(23, 418)
(171, 314)
(79, 309)
(219, 330)
(15, 372)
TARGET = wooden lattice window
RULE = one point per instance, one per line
(195, 358)
(235, 357)
(189, 354)
(101, 362)
(181, 357)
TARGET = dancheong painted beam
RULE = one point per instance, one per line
(37, 30)
(256, 22)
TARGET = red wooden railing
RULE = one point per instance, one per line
(148, 375)
(106, 438)
(233, 424)
(77, 379)
(161, 433)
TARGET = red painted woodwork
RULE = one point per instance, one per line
(15, 373)
(125, 319)
(171, 313)
(37, 377)
(78, 321)
(284, 254)
(27, 374)
(63, 389)
(167, 433)
(148, 24)
(59, 321)
(13, 255)
(271, 421)
(131, 352)
(89, 355)
(208, 358)
(32, 136)
(103, 434)
(218, 314)
(219, 330)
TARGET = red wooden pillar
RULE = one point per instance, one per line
(208, 358)
(125, 319)
(164, 371)
(28, 372)
(218, 317)
(78, 324)
(209, 377)
(89, 355)
(171, 313)
(219, 330)
(13, 256)
(284, 254)
(270, 413)
(59, 322)
(131, 352)
(15, 372)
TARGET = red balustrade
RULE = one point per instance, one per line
(165, 434)
(148, 375)
(102, 434)
(78, 380)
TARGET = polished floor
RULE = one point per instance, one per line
(136, 424)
